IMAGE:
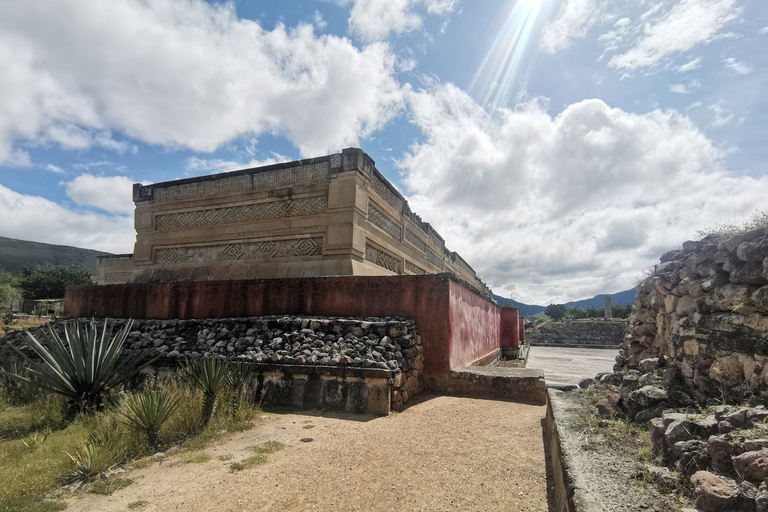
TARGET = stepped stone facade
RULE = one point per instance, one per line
(334, 215)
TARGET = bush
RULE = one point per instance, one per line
(147, 411)
(207, 375)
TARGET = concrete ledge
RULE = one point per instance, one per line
(518, 384)
(569, 488)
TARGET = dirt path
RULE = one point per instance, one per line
(443, 453)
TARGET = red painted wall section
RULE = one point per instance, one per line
(475, 326)
(521, 329)
(510, 328)
(423, 298)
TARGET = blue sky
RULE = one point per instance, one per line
(560, 146)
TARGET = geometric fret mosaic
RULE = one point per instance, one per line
(382, 259)
(245, 213)
(265, 250)
(380, 219)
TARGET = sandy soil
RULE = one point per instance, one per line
(442, 453)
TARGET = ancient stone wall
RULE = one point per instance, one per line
(704, 311)
(578, 333)
(280, 345)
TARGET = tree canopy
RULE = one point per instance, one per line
(9, 290)
(555, 311)
(50, 282)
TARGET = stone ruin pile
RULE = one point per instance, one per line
(705, 310)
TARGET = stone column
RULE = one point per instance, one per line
(608, 308)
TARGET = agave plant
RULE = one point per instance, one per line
(16, 390)
(209, 375)
(99, 454)
(238, 375)
(82, 366)
(147, 411)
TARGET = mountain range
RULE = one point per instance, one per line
(625, 298)
(17, 254)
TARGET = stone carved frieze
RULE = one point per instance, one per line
(414, 240)
(382, 259)
(380, 219)
(118, 277)
(244, 213)
(414, 269)
(435, 259)
(299, 175)
(436, 239)
(384, 191)
(263, 250)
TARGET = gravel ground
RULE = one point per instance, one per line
(570, 365)
(442, 453)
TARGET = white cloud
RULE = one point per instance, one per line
(182, 73)
(764, 30)
(112, 194)
(687, 24)
(373, 20)
(690, 66)
(737, 67)
(319, 22)
(573, 21)
(34, 218)
(199, 165)
(55, 168)
(721, 115)
(593, 191)
(679, 89)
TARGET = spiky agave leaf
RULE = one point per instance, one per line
(208, 375)
(83, 365)
(147, 411)
(238, 375)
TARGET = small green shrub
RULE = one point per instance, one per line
(196, 457)
(240, 426)
(147, 411)
(209, 376)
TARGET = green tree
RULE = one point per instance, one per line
(593, 312)
(576, 312)
(555, 311)
(9, 291)
(50, 282)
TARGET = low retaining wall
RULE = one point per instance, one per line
(579, 334)
(570, 494)
(345, 364)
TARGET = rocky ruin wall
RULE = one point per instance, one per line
(272, 342)
(578, 333)
(704, 309)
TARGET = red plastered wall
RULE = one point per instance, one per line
(475, 326)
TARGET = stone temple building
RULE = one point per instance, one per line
(334, 215)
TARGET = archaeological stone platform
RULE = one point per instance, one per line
(327, 216)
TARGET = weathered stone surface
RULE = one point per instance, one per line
(712, 493)
(721, 450)
(692, 455)
(752, 465)
(609, 405)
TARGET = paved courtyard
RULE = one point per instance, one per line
(569, 365)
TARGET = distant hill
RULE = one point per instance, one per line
(17, 254)
(625, 298)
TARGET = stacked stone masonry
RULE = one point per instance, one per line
(327, 216)
(579, 333)
(391, 344)
(705, 310)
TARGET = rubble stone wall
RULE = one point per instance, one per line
(348, 347)
(704, 310)
(579, 333)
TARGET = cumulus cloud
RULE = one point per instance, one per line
(30, 217)
(573, 21)
(113, 194)
(687, 24)
(555, 201)
(182, 73)
(374, 20)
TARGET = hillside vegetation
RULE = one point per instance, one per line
(17, 254)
